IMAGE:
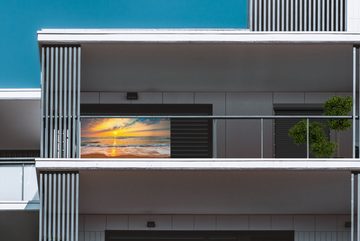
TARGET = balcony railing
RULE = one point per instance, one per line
(262, 125)
(18, 184)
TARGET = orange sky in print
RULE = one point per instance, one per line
(125, 127)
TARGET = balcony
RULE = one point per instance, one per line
(18, 185)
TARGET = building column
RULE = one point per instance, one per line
(355, 99)
(59, 206)
(60, 101)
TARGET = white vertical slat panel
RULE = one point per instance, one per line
(255, 15)
(251, 15)
(63, 175)
(56, 119)
(291, 15)
(67, 206)
(42, 77)
(341, 15)
(49, 206)
(287, 13)
(51, 107)
(74, 106)
(318, 15)
(306, 11)
(273, 15)
(314, 16)
(328, 27)
(261, 15)
(301, 15)
(269, 12)
(78, 102)
(70, 102)
(54, 206)
(264, 14)
(77, 207)
(41, 210)
(44, 196)
(72, 216)
(58, 214)
(337, 9)
(323, 25)
(66, 110)
(296, 9)
(278, 14)
(332, 15)
(61, 100)
(59, 204)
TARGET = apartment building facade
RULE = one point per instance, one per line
(214, 159)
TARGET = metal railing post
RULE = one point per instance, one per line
(354, 99)
(262, 137)
(307, 138)
(214, 138)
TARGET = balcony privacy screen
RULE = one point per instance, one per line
(298, 15)
(190, 138)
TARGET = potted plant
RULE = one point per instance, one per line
(320, 145)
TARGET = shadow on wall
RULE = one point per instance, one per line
(19, 225)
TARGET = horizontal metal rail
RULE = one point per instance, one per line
(16, 160)
(219, 117)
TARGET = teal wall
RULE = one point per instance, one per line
(20, 19)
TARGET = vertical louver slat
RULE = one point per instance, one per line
(60, 67)
(283, 15)
(269, 8)
(306, 14)
(78, 102)
(59, 198)
(341, 22)
(56, 119)
(51, 107)
(255, 13)
(328, 27)
(70, 106)
(278, 4)
(61, 83)
(260, 16)
(273, 25)
(297, 15)
(323, 23)
(65, 104)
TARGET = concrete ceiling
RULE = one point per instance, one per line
(221, 67)
(184, 192)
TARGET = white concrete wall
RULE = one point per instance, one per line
(306, 227)
(17, 184)
(20, 122)
(353, 11)
(232, 133)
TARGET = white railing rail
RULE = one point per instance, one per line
(18, 163)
